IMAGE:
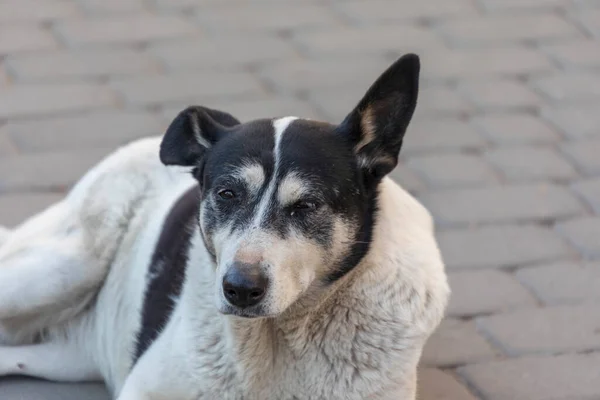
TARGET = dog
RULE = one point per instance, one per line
(271, 259)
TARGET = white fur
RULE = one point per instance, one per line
(87, 258)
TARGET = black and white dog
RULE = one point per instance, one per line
(285, 266)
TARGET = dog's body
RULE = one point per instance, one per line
(330, 298)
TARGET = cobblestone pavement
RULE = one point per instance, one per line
(504, 149)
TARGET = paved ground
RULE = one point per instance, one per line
(504, 149)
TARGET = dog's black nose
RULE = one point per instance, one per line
(244, 285)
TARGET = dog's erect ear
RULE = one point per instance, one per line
(376, 127)
(191, 133)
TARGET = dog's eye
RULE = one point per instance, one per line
(226, 194)
(303, 206)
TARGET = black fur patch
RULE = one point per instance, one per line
(166, 272)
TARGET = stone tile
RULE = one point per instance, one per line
(590, 19)
(15, 208)
(100, 7)
(440, 100)
(583, 234)
(518, 203)
(31, 388)
(577, 121)
(584, 155)
(485, 292)
(589, 190)
(575, 54)
(526, 164)
(514, 129)
(202, 52)
(470, 63)
(440, 135)
(500, 94)
(20, 38)
(80, 64)
(266, 17)
(518, 5)
(563, 282)
(366, 41)
(501, 29)
(407, 179)
(47, 171)
(36, 10)
(452, 170)
(377, 11)
(83, 131)
(29, 99)
(187, 87)
(248, 110)
(434, 384)
(455, 343)
(500, 246)
(321, 77)
(572, 376)
(545, 331)
(123, 29)
(7, 147)
(569, 87)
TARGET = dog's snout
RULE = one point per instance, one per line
(244, 285)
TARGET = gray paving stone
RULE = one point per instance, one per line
(572, 376)
(501, 246)
(589, 190)
(80, 64)
(569, 87)
(514, 129)
(576, 122)
(584, 155)
(124, 28)
(518, 5)
(485, 292)
(36, 10)
(320, 77)
(7, 147)
(455, 343)
(407, 179)
(439, 100)
(500, 29)
(377, 11)
(434, 384)
(16, 207)
(189, 87)
(46, 171)
(470, 63)
(106, 7)
(37, 389)
(518, 203)
(499, 94)
(452, 170)
(80, 132)
(440, 135)
(248, 110)
(20, 38)
(545, 331)
(39, 99)
(563, 282)
(202, 52)
(590, 19)
(254, 17)
(583, 234)
(575, 54)
(526, 164)
(366, 41)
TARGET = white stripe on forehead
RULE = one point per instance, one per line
(279, 126)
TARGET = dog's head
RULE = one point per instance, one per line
(287, 204)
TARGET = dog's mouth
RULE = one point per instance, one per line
(249, 313)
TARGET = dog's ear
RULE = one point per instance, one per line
(191, 133)
(376, 127)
